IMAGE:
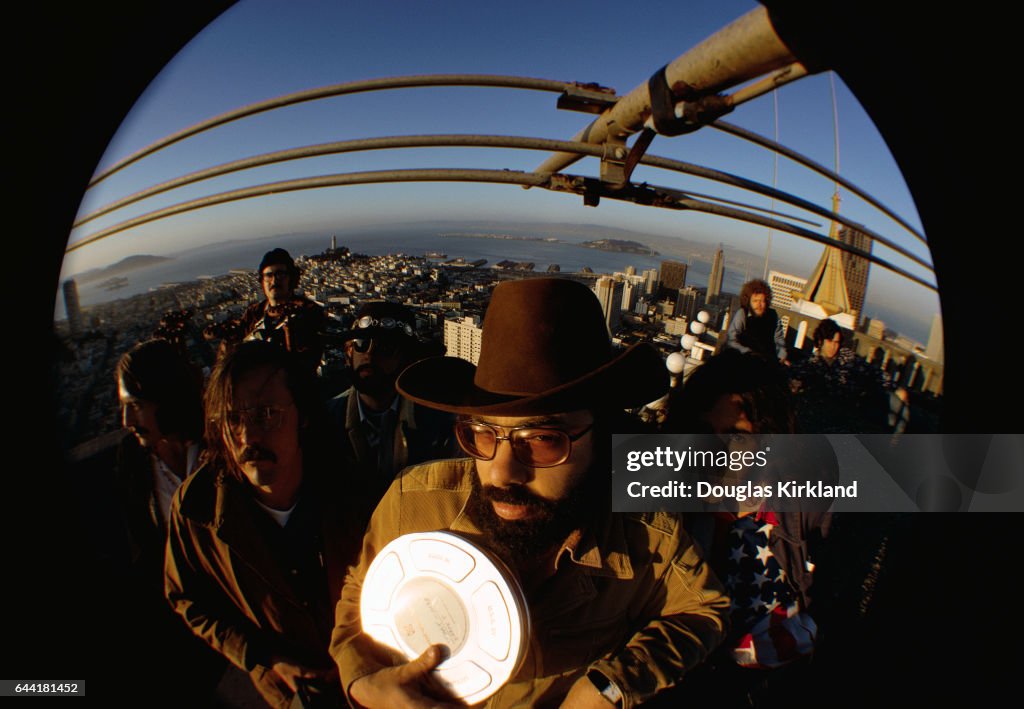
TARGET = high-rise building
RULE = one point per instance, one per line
(72, 307)
(687, 302)
(630, 270)
(934, 350)
(673, 276)
(876, 328)
(609, 293)
(856, 268)
(717, 275)
(334, 243)
(463, 337)
(784, 286)
(650, 281)
(827, 285)
(630, 293)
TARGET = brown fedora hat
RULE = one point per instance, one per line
(545, 350)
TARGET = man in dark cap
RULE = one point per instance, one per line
(621, 605)
(379, 431)
(292, 321)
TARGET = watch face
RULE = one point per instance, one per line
(438, 588)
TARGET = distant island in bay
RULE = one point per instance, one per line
(112, 273)
(620, 245)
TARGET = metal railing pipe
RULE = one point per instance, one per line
(817, 167)
(740, 51)
(396, 82)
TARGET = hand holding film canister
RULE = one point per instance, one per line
(454, 614)
(405, 685)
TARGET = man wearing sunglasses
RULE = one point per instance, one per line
(621, 605)
(379, 431)
(260, 536)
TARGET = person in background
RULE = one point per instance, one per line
(160, 396)
(285, 318)
(766, 557)
(755, 327)
(379, 431)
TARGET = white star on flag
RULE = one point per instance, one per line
(760, 580)
(763, 553)
(766, 529)
(737, 554)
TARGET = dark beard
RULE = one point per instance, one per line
(377, 385)
(520, 542)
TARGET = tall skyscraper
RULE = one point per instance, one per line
(784, 286)
(856, 268)
(717, 275)
(630, 293)
(934, 350)
(609, 292)
(673, 276)
(650, 281)
(72, 307)
(463, 338)
(687, 302)
(334, 243)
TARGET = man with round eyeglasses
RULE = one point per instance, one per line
(285, 318)
(261, 534)
(621, 605)
(378, 431)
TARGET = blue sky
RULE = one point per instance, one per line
(260, 49)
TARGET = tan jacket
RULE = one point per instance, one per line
(224, 575)
(631, 598)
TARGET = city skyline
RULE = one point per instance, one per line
(917, 325)
(188, 91)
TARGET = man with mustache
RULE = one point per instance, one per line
(261, 534)
(285, 318)
(379, 431)
(621, 605)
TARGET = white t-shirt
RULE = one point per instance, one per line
(166, 483)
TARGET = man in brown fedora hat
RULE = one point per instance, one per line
(621, 605)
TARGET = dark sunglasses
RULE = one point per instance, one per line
(381, 345)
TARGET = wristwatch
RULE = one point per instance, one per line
(608, 689)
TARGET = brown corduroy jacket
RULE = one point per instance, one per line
(226, 578)
(630, 597)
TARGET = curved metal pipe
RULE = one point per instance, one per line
(498, 142)
(558, 183)
(817, 167)
(744, 183)
(352, 87)
(352, 178)
(410, 141)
